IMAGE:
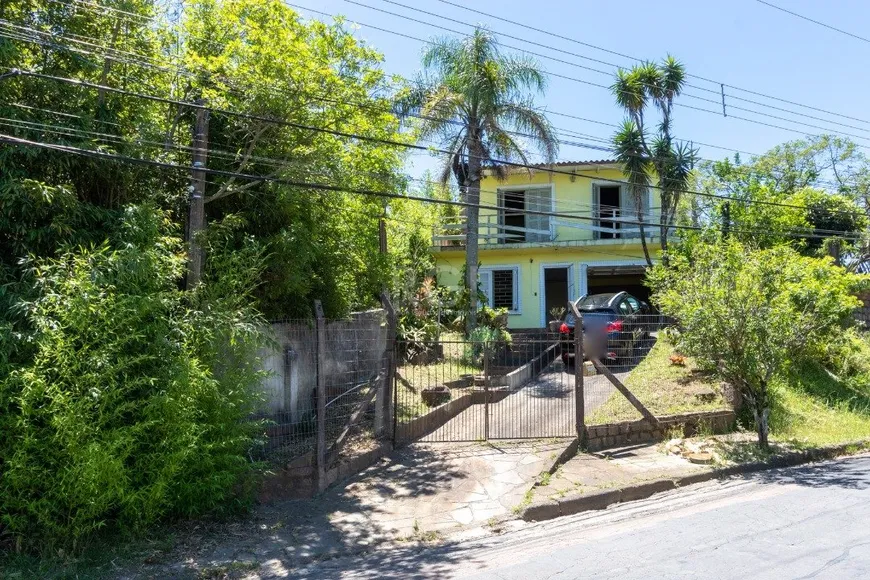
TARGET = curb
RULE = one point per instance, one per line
(553, 508)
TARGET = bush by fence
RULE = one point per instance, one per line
(136, 404)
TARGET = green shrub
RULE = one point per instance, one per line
(484, 339)
(751, 314)
(135, 406)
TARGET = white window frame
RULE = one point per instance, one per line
(596, 203)
(488, 291)
(552, 187)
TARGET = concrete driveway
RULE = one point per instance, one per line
(543, 407)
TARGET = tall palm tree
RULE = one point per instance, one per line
(634, 90)
(629, 151)
(479, 104)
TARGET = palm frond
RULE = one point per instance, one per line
(628, 89)
(525, 119)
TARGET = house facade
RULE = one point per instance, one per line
(531, 263)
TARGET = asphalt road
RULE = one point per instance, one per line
(805, 522)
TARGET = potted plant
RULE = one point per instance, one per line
(556, 316)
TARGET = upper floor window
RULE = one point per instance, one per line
(515, 224)
(615, 211)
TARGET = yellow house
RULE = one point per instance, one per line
(531, 263)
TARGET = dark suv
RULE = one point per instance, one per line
(613, 325)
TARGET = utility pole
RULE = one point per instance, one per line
(196, 213)
(834, 251)
(726, 219)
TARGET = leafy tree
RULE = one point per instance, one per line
(750, 314)
(478, 103)
(671, 161)
(822, 174)
(259, 57)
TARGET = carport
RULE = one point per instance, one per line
(602, 279)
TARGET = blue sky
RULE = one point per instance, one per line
(737, 42)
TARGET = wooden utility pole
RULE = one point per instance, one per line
(834, 251)
(196, 213)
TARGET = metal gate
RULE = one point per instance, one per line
(461, 390)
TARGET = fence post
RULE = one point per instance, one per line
(579, 391)
(384, 404)
(321, 395)
(486, 391)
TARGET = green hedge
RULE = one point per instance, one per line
(136, 404)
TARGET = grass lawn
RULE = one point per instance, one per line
(664, 388)
(813, 407)
(817, 408)
(413, 378)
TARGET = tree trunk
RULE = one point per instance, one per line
(472, 225)
(664, 226)
(638, 203)
(761, 412)
(761, 422)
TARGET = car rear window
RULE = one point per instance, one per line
(594, 302)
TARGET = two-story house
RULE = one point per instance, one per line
(531, 263)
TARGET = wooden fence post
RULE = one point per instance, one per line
(579, 390)
(384, 403)
(321, 395)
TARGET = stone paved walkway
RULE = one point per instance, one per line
(635, 464)
(421, 493)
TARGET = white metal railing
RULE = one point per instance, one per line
(606, 223)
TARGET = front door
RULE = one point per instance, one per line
(558, 290)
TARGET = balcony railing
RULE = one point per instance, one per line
(603, 223)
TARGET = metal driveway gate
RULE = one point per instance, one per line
(459, 390)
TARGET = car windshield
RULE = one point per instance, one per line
(594, 302)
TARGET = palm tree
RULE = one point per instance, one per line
(673, 164)
(629, 152)
(479, 104)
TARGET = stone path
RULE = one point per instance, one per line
(436, 487)
(419, 493)
(635, 464)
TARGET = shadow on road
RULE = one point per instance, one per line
(848, 474)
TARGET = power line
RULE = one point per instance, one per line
(211, 41)
(356, 191)
(634, 58)
(808, 19)
(608, 73)
(179, 69)
(381, 141)
(602, 86)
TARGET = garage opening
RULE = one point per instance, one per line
(603, 279)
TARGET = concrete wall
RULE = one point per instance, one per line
(354, 351)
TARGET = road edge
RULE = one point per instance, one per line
(542, 510)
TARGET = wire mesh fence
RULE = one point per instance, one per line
(349, 359)
(465, 391)
(451, 389)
